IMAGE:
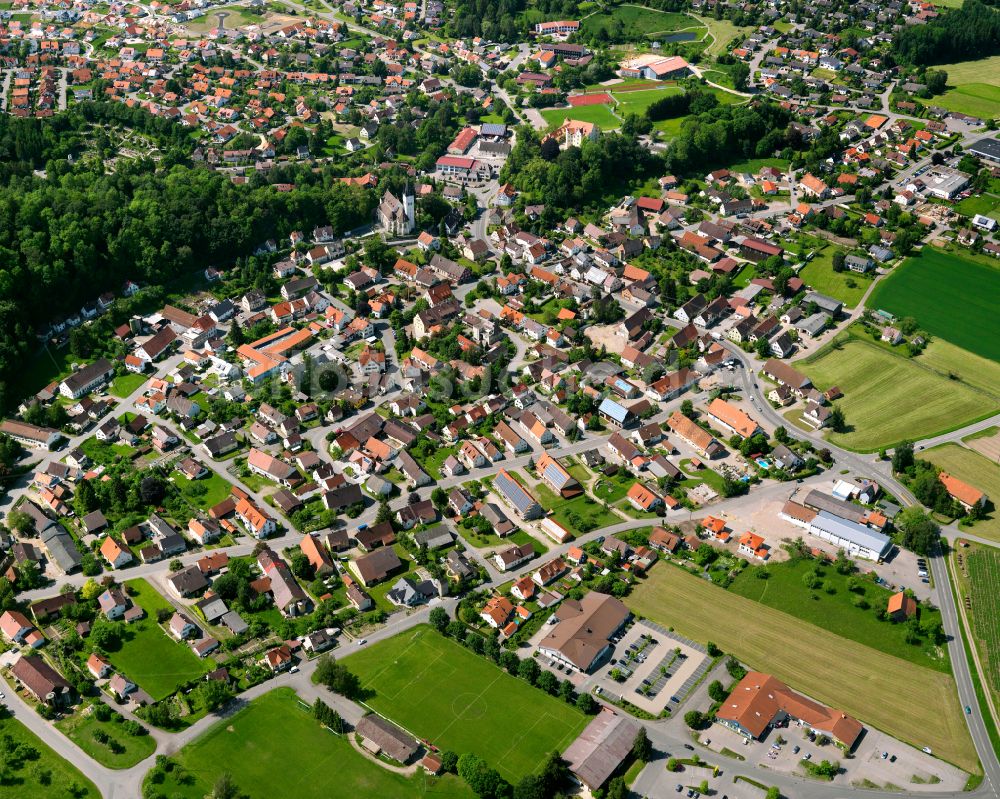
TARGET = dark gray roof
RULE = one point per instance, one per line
(601, 748)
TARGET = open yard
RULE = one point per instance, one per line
(23, 777)
(123, 385)
(600, 115)
(150, 657)
(579, 514)
(847, 675)
(647, 22)
(889, 398)
(950, 296)
(976, 470)
(83, 726)
(978, 204)
(720, 33)
(438, 690)
(274, 747)
(204, 492)
(848, 287)
(785, 590)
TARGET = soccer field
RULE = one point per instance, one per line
(275, 748)
(950, 296)
(849, 676)
(889, 398)
(442, 692)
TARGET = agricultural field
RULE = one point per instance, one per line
(149, 656)
(978, 568)
(274, 747)
(949, 295)
(600, 115)
(847, 675)
(645, 22)
(949, 360)
(976, 470)
(889, 398)
(442, 692)
(785, 590)
(977, 99)
(48, 777)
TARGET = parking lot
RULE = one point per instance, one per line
(659, 668)
(903, 767)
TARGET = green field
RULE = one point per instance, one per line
(440, 691)
(600, 115)
(636, 102)
(977, 99)
(950, 296)
(123, 385)
(236, 17)
(644, 22)
(984, 70)
(571, 512)
(947, 359)
(721, 32)
(81, 728)
(149, 656)
(785, 590)
(848, 287)
(847, 675)
(889, 398)
(274, 748)
(204, 493)
(985, 204)
(976, 470)
(47, 777)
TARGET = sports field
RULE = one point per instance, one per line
(274, 748)
(889, 398)
(442, 692)
(849, 676)
(950, 296)
(975, 470)
(598, 114)
(148, 656)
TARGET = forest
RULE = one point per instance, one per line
(81, 230)
(965, 34)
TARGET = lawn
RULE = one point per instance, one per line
(978, 99)
(976, 470)
(274, 747)
(985, 204)
(888, 398)
(442, 692)
(519, 536)
(125, 384)
(848, 287)
(235, 18)
(849, 676)
(644, 22)
(47, 365)
(579, 514)
(754, 165)
(950, 296)
(721, 32)
(148, 656)
(205, 492)
(598, 114)
(785, 590)
(81, 728)
(22, 777)
(947, 359)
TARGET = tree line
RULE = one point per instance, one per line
(964, 34)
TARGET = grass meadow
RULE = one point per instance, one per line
(847, 675)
